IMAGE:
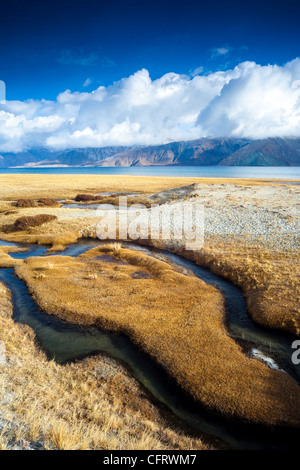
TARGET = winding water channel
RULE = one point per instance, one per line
(65, 342)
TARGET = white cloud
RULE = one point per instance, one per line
(219, 51)
(222, 50)
(87, 82)
(196, 71)
(262, 102)
(248, 101)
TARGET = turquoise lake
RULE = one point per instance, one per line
(276, 173)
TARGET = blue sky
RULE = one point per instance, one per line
(94, 74)
(47, 47)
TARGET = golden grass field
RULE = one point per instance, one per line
(92, 404)
(269, 279)
(230, 383)
(177, 319)
(16, 186)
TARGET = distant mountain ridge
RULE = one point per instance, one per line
(266, 152)
(70, 157)
(205, 151)
(193, 152)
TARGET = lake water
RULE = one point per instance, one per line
(278, 173)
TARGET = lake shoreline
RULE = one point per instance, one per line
(283, 173)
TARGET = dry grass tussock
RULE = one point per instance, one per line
(42, 202)
(86, 198)
(23, 223)
(92, 404)
(65, 228)
(113, 199)
(56, 232)
(177, 319)
(25, 203)
(47, 202)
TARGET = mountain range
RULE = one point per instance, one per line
(205, 151)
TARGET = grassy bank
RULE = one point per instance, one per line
(268, 278)
(91, 404)
(176, 318)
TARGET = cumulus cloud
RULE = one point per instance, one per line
(248, 101)
(261, 102)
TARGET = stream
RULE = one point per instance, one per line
(65, 342)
